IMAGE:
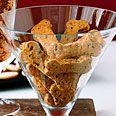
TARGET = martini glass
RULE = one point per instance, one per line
(57, 99)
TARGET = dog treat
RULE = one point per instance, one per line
(61, 98)
(80, 65)
(49, 99)
(86, 45)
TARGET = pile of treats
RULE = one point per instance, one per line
(5, 5)
(56, 66)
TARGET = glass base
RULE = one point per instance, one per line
(58, 111)
(8, 107)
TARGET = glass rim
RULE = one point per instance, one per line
(79, 33)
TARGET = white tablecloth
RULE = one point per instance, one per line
(101, 86)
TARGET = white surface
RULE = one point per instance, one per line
(101, 86)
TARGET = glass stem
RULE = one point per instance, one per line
(57, 112)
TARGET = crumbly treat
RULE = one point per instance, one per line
(49, 99)
(98, 37)
(70, 35)
(46, 81)
(4, 50)
(5, 5)
(44, 34)
(31, 53)
(66, 81)
(86, 45)
(61, 98)
(80, 65)
(56, 67)
(42, 90)
(82, 24)
(72, 28)
(32, 70)
(45, 23)
(37, 79)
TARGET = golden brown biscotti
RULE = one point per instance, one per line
(5, 5)
(31, 53)
(37, 79)
(98, 37)
(66, 81)
(80, 65)
(74, 26)
(81, 24)
(42, 90)
(46, 81)
(43, 33)
(61, 98)
(86, 45)
(45, 23)
(49, 99)
(70, 35)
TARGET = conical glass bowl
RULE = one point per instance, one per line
(58, 50)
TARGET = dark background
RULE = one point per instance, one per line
(107, 4)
